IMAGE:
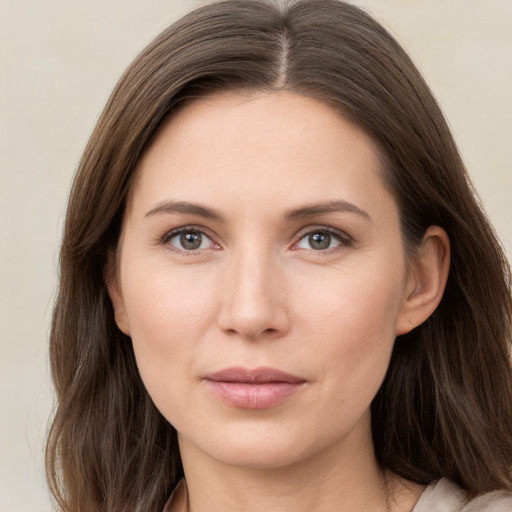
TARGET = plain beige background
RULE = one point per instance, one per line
(59, 59)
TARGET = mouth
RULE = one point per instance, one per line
(259, 388)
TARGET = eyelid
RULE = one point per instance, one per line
(345, 239)
(170, 234)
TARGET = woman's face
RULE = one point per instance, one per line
(261, 276)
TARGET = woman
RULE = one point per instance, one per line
(277, 289)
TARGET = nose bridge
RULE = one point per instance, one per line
(252, 300)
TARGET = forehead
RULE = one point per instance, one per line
(238, 147)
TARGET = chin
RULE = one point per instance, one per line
(251, 447)
(258, 457)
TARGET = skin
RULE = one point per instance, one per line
(260, 291)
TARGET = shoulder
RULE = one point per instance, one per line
(445, 496)
(497, 501)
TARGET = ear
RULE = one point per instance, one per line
(114, 291)
(426, 282)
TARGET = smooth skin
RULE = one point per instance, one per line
(259, 233)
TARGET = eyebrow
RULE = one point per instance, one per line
(187, 208)
(312, 210)
(323, 208)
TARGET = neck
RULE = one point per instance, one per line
(342, 477)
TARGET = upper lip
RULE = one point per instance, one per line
(256, 375)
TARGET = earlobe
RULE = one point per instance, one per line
(114, 291)
(427, 280)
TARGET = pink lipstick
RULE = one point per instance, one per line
(260, 388)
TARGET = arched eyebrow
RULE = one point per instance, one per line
(316, 209)
(186, 208)
(206, 212)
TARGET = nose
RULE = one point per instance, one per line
(253, 297)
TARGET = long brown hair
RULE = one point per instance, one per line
(445, 407)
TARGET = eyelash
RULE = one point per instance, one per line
(342, 237)
(165, 240)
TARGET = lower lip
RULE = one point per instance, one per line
(254, 395)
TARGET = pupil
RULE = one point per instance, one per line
(320, 241)
(190, 240)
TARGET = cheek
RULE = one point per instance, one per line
(168, 314)
(353, 321)
(360, 303)
(163, 301)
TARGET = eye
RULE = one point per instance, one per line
(189, 240)
(322, 240)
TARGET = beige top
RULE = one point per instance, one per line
(445, 496)
(441, 496)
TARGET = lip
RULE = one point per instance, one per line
(259, 388)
